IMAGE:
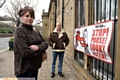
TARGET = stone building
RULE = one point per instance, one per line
(79, 13)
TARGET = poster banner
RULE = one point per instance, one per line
(94, 40)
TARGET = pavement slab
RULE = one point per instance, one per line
(7, 67)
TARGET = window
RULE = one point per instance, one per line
(105, 10)
(81, 12)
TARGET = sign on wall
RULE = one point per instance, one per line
(94, 40)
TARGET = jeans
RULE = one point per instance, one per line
(28, 74)
(54, 57)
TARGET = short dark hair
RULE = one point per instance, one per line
(25, 10)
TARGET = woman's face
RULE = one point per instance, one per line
(27, 19)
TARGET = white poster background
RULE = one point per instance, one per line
(87, 32)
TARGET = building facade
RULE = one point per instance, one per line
(78, 13)
(48, 19)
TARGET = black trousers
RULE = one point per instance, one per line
(28, 75)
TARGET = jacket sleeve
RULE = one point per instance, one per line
(21, 45)
(44, 45)
(50, 41)
(66, 40)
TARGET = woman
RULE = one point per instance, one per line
(28, 46)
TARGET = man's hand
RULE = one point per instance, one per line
(34, 47)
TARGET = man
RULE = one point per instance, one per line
(58, 40)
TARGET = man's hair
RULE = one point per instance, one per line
(58, 23)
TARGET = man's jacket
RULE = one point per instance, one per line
(58, 42)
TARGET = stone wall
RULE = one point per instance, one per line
(68, 27)
(5, 35)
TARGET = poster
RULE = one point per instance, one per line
(94, 40)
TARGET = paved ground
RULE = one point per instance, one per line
(7, 67)
(4, 42)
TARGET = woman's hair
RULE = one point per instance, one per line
(25, 10)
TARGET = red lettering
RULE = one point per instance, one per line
(100, 32)
(107, 31)
(93, 39)
(96, 47)
(101, 48)
(99, 55)
(95, 53)
(100, 40)
(97, 32)
(104, 31)
(103, 56)
(97, 39)
(93, 33)
(104, 39)
(91, 46)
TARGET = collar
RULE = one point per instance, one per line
(61, 33)
(30, 27)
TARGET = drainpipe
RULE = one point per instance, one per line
(55, 12)
(62, 13)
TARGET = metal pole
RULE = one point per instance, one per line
(55, 12)
(62, 13)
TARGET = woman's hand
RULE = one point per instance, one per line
(34, 47)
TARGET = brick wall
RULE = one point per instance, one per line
(5, 35)
(69, 26)
(45, 30)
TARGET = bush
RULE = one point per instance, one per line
(12, 39)
(6, 30)
(11, 43)
(2, 30)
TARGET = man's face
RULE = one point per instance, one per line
(58, 27)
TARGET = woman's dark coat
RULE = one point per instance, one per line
(24, 57)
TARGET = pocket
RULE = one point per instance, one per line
(64, 44)
(53, 45)
(61, 46)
